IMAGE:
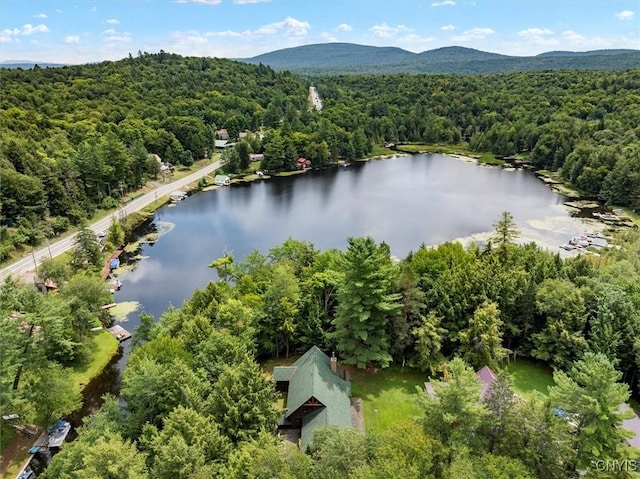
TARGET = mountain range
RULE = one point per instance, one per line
(349, 58)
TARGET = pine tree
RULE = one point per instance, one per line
(366, 305)
(481, 341)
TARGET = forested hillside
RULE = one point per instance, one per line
(75, 138)
(582, 123)
(351, 59)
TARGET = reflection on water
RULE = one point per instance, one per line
(405, 202)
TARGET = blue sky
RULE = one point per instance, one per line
(80, 31)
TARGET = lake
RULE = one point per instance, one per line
(405, 201)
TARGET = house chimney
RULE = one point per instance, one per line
(334, 363)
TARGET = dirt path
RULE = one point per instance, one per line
(15, 451)
(357, 414)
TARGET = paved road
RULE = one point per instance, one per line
(54, 249)
(315, 98)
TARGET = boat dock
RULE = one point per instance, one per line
(119, 333)
(107, 264)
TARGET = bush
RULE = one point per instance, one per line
(109, 202)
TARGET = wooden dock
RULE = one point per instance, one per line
(107, 265)
(119, 333)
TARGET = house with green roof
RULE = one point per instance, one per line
(316, 395)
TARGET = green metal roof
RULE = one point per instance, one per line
(311, 376)
(283, 373)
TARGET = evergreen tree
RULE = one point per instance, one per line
(428, 344)
(242, 402)
(481, 341)
(453, 414)
(591, 396)
(366, 305)
(86, 252)
(506, 232)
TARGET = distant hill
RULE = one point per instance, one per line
(27, 64)
(331, 55)
(345, 58)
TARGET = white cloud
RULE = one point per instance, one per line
(444, 3)
(291, 27)
(58, 10)
(415, 43)
(29, 29)
(205, 2)
(478, 33)
(112, 35)
(624, 15)
(344, 27)
(245, 2)
(123, 37)
(40, 15)
(191, 37)
(386, 31)
(448, 27)
(229, 33)
(534, 32)
(539, 36)
(328, 37)
(10, 34)
(113, 21)
(580, 42)
(94, 10)
(71, 39)
(572, 36)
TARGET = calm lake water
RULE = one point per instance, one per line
(404, 201)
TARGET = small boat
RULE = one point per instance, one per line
(58, 433)
(222, 180)
(579, 241)
(177, 196)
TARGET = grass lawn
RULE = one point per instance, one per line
(103, 348)
(380, 151)
(528, 376)
(388, 396)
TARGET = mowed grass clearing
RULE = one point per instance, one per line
(388, 396)
(528, 376)
(104, 346)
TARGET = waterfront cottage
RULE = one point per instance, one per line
(316, 395)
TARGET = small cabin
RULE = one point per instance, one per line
(316, 394)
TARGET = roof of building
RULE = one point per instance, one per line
(486, 376)
(311, 377)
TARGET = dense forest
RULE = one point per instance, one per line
(196, 403)
(74, 139)
(582, 123)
